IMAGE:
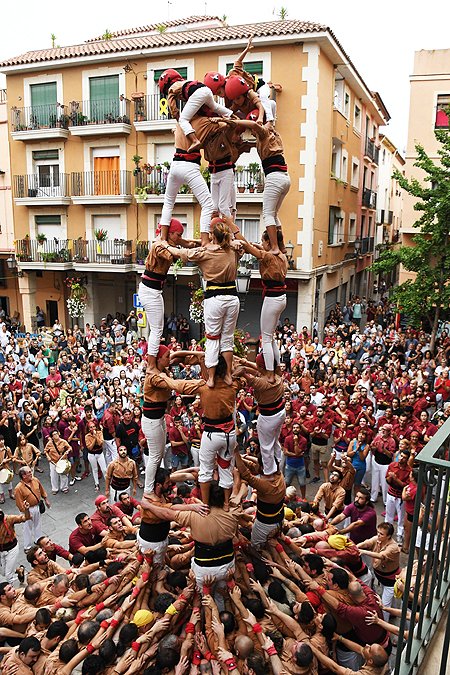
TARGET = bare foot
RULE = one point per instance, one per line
(271, 377)
(228, 380)
(210, 382)
(195, 147)
(276, 251)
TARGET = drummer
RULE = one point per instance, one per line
(57, 451)
(26, 454)
(6, 473)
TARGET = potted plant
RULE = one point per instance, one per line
(250, 187)
(101, 236)
(239, 172)
(41, 239)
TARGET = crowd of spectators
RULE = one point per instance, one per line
(361, 401)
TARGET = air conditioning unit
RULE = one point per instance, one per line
(320, 249)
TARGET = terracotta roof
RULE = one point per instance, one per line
(169, 39)
(154, 26)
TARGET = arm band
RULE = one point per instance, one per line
(189, 628)
(172, 610)
(135, 646)
(182, 597)
(57, 604)
(135, 592)
(100, 606)
(250, 567)
(279, 548)
(90, 648)
(257, 628)
(104, 624)
(69, 571)
(288, 540)
(271, 651)
(140, 558)
(320, 591)
(145, 576)
(206, 590)
(208, 656)
(230, 664)
(114, 623)
(107, 582)
(196, 657)
(231, 584)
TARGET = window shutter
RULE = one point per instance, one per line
(41, 155)
(43, 94)
(47, 220)
(252, 67)
(157, 73)
(104, 88)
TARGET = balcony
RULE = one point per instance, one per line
(33, 254)
(367, 245)
(151, 113)
(150, 187)
(41, 190)
(98, 118)
(249, 183)
(369, 199)
(101, 187)
(371, 151)
(428, 588)
(386, 217)
(39, 123)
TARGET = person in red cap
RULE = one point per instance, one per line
(277, 182)
(218, 262)
(150, 294)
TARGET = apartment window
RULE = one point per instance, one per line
(157, 73)
(49, 225)
(249, 228)
(46, 171)
(339, 90)
(352, 228)
(252, 67)
(110, 223)
(355, 173)
(344, 172)
(43, 104)
(106, 175)
(363, 226)
(357, 118)
(442, 106)
(347, 104)
(163, 153)
(336, 158)
(104, 98)
(335, 226)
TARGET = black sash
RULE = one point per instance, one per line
(214, 556)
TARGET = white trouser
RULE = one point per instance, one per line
(387, 598)
(233, 196)
(395, 505)
(114, 494)
(110, 449)
(262, 531)
(189, 173)
(155, 433)
(379, 472)
(270, 315)
(153, 303)
(196, 100)
(97, 461)
(195, 453)
(366, 578)
(268, 428)
(58, 480)
(221, 446)
(220, 316)
(219, 572)
(276, 187)
(267, 103)
(2, 488)
(159, 548)
(222, 184)
(32, 528)
(8, 564)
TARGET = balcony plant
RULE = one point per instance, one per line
(41, 238)
(239, 172)
(76, 302)
(101, 236)
(254, 170)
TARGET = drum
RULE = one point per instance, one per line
(63, 466)
(6, 476)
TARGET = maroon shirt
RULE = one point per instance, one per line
(368, 515)
(78, 539)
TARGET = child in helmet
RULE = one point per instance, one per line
(198, 98)
(242, 99)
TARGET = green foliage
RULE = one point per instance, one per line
(429, 259)
(107, 35)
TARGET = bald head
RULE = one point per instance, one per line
(378, 655)
(318, 524)
(355, 590)
(243, 646)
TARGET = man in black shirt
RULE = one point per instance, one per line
(127, 434)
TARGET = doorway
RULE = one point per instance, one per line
(52, 312)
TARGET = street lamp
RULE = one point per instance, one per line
(290, 254)
(11, 263)
(357, 247)
(243, 284)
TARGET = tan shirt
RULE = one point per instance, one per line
(29, 453)
(268, 490)
(390, 552)
(42, 572)
(5, 457)
(289, 665)
(7, 531)
(273, 267)
(268, 392)
(217, 264)
(159, 259)
(58, 450)
(121, 469)
(217, 402)
(268, 143)
(94, 441)
(23, 492)
(333, 495)
(12, 658)
(218, 526)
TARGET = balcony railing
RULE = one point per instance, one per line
(45, 186)
(108, 111)
(386, 217)
(152, 108)
(367, 245)
(369, 198)
(251, 180)
(3, 96)
(98, 183)
(51, 116)
(372, 151)
(154, 182)
(50, 250)
(427, 580)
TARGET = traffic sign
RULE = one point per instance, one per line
(136, 302)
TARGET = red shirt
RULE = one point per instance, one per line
(100, 520)
(78, 538)
(402, 474)
(174, 435)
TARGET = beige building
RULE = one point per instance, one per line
(429, 99)
(81, 116)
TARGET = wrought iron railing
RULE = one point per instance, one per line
(108, 111)
(427, 581)
(249, 180)
(152, 107)
(152, 182)
(369, 198)
(51, 116)
(51, 250)
(372, 151)
(41, 185)
(98, 183)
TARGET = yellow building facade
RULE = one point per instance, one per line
(80, 117)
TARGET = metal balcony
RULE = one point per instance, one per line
(101, 187)
(429, 591)
(39, 122)
(38, 254)
(386, 217)
(369, 198)
(151, 113)
(249, 183)
(371, 151)
(93, 118)
(150, 186)
(115, 254)
(41, 189)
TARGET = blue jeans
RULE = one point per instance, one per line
(291, 471)
(179, 461)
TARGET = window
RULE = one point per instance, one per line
(347, 104)
(107, 178)
(355, 173)
(46, 172)
(335, 226)
(344, 166)
(157, 73)
(104, 98)
(252, 67)
(43, 104)
(357, 118)
(442, 106)
(249, 228)
(112, 225)
(336, 158)
(50, 226)
(352, 228)
(339, 88)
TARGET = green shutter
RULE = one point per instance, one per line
(43, 104)
(104, 98)
(252, 67)
(45, 155)
(157, 73)
(47, 220)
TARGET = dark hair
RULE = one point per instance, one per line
(68, 650)
(57, 629)
(277, 592)
(32, 592)
(183, 490)
(216, 495)
(257, 663)
(221, 368)
(306, 613)
(167, 658)
(29, 644)
(161, 475)
(77, 559)
(114, 568)
(96, 556)
(329, 625)
(387, 527)
(108, 651)
(228, 621)
(315, 562)
(92, 665)
(31, 553)
(86, 631)
(162, 602)
(364, 491)
(43, 617)
(79, 518)
(176, 580)
(280, 242)
(255, 606)
(127, 634)
(303, 654)
(340, 577)
(261, 571)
